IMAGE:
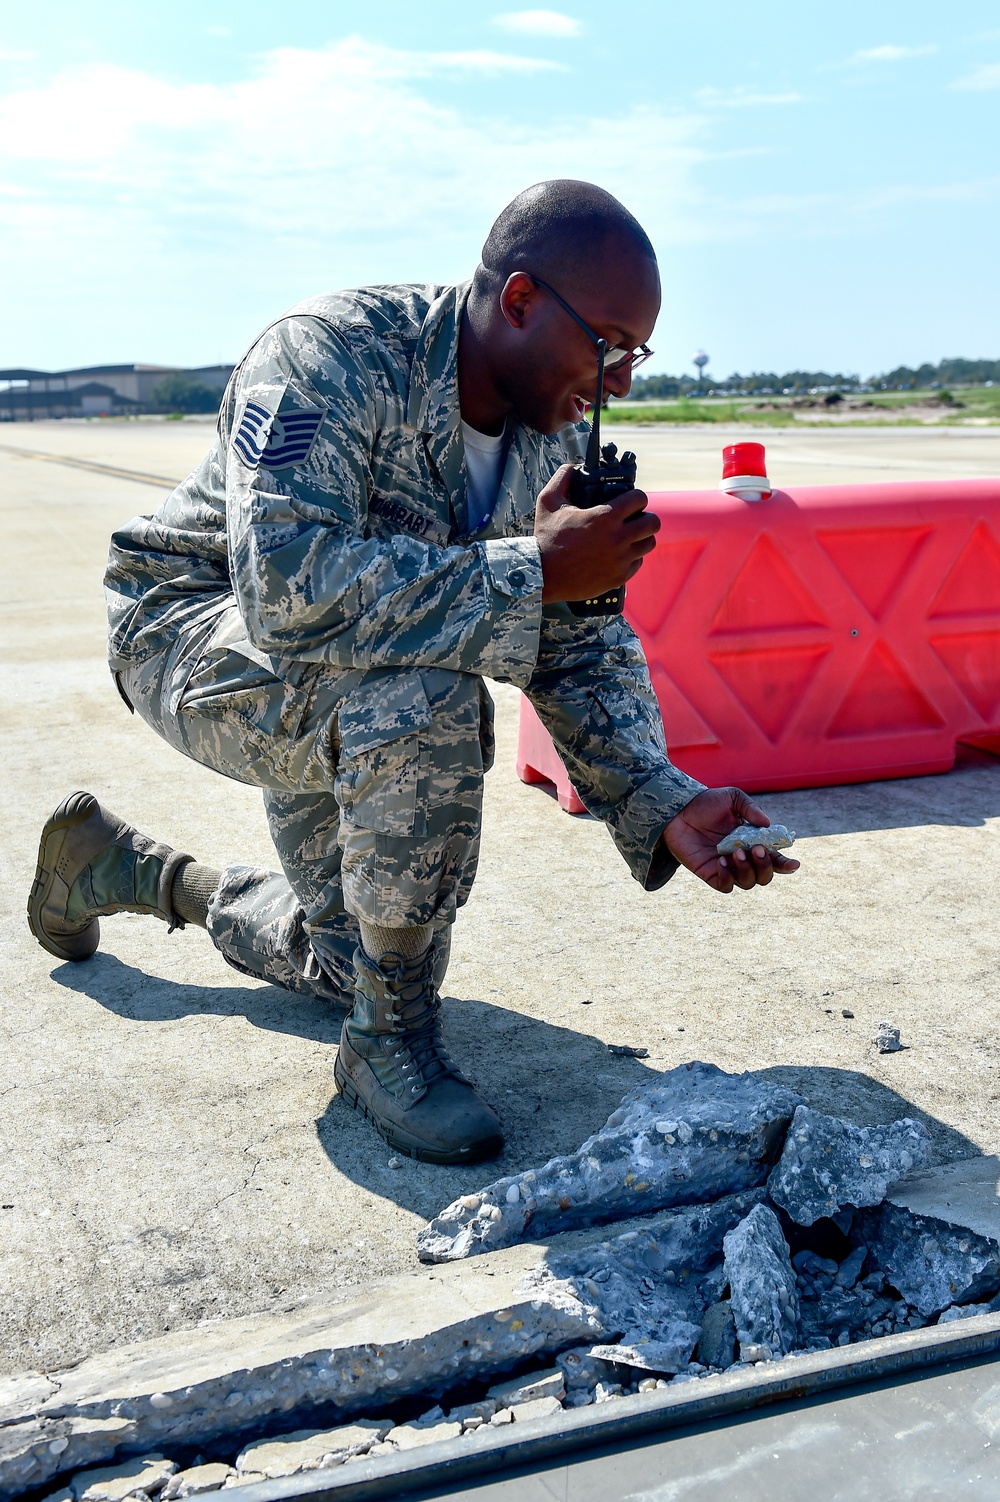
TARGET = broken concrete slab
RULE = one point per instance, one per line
(409, 1436)
(426, 1334)
(142, 1476)
(535, 1408)
(419, 1334)
(311, 1449)
(937, 1235)
(827, 1163)
(763, 1292)
(688, 1136)
(196, 1480)
(652, 1286)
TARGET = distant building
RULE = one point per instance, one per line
(94, 390)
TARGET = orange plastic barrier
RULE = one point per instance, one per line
(828, 634)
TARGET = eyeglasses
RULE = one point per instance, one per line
(615, 355)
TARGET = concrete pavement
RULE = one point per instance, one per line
(173, 1149)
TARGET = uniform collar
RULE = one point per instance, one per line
(432, 406)
(433, 409)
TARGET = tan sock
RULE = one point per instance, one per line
(192, 890)
(377, 941)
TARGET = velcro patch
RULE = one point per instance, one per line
(277, 440)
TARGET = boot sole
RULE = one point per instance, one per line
(72, 811)
(402, 1141)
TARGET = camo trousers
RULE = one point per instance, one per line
(372, 783)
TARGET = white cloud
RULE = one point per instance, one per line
(889, 54)
(323, 167)
(538, 23)
(734, 99)
(145, 217)
(986, 77)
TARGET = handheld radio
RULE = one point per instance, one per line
(602, 477)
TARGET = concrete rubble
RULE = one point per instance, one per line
(648, 1286)
(196, 1480)
(717, 1340)
(311, 1449)
(137, 1478)
(514, 1336)
(937, 1236)
(688, 1136)
(763, 1295)
(411, 1336)
(827, 1163)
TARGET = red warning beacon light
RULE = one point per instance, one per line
(744, 472)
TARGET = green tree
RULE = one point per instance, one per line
(180, 392)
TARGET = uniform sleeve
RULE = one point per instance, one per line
(592, 692)
(310, 584)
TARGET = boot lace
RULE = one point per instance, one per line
(412, 1011)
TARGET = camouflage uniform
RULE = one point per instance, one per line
(309, 613)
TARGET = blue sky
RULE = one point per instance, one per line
(821, 182)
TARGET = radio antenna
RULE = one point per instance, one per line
(593, 460)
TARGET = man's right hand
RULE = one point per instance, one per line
(587, 551)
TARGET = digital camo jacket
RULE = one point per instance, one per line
(332, 508)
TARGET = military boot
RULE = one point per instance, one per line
(394, 1067)
(91, 863)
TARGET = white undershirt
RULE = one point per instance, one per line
(484, 457)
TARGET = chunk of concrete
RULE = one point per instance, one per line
(409, 1436)
(583, 1370)
(310, 1449)
(474, 1413)
(687, 1137)
(887, 1038)
(763, 1292)
(664, 1347)
(772, 837)
(649, 1286)
(937, 1235)
(525, 1389)
(146, 1474)
(717, 1339)
(196, 1480)
(850, 1269)
(535, 1408)
(827, 1163)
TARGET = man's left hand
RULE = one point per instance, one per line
(692, 835)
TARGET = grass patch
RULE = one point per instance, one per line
(959, 405)
(686, 410)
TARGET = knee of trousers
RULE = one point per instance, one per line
(409, 787)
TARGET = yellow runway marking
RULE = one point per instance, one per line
(91, 464)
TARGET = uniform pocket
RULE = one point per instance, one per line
(379, 766)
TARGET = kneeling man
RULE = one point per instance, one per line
(383, 522)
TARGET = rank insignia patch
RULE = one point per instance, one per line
(277, 441)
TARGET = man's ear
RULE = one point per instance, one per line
(517, 297)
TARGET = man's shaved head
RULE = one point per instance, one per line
(562, 231)
(520, 351)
